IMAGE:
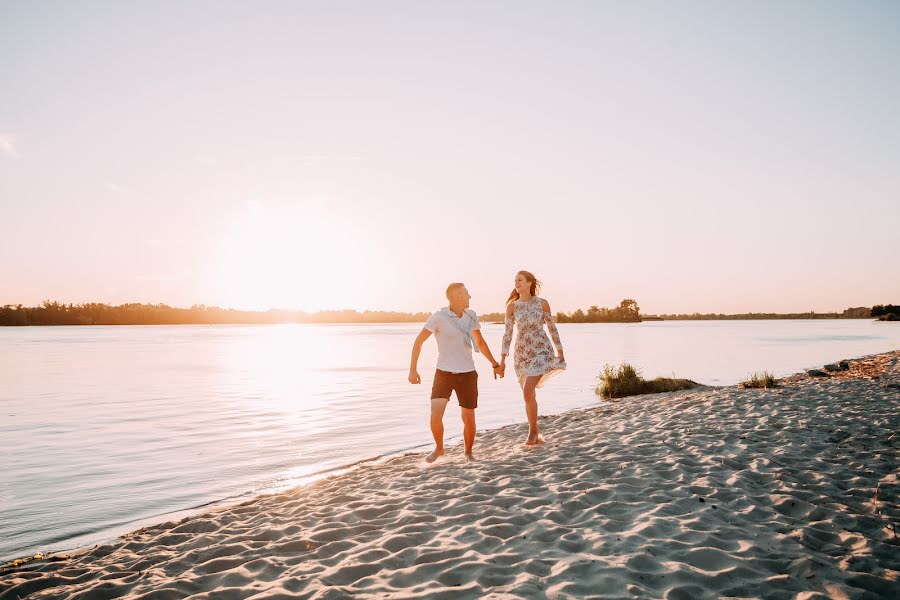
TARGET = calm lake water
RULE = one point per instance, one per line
(104, 429)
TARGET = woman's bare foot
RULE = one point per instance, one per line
(434, 455)
(534, 438)
(469, 457)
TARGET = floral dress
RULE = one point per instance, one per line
(534, 353)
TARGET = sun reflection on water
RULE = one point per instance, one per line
(277, 366)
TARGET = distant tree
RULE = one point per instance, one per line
(860, 312)
(493, 317)
(629, 309)
(596, 314)
(885, 309)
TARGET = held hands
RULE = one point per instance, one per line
(414, 377)
(500, 370)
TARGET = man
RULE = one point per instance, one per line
(455, 328)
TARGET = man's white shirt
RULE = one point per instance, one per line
(454, 350)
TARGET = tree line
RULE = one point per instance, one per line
(93, 313)
(627, 311)
(860, 312)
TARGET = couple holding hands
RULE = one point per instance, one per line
(457, 332)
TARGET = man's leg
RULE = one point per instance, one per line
(467, 392)
(468, 419)
(437, 427)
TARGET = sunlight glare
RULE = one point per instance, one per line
(285, 258)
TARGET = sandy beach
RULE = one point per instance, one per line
(789, 492)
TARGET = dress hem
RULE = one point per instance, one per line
(545, 375)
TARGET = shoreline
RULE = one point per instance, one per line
(208, 507)
(587, 513)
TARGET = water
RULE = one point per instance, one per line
(103, 429)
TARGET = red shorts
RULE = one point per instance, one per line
(464, 384)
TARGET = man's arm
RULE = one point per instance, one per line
(414, 359)
(486, 352)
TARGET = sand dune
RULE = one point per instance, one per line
(784, 493)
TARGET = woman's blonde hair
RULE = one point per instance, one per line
(530, 278)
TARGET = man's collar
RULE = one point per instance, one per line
(454, 313)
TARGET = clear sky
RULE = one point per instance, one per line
(696, 156)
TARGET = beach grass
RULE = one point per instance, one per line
(625, 380)
(760, 380)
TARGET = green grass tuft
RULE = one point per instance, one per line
(625, 380)
(760, 380)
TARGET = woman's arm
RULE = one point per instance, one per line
(554, 332)
(507, 334)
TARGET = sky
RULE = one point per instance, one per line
(695, 156)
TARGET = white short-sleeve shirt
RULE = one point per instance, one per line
(454, 354)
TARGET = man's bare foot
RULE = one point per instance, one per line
(434, 455)
(534, 439)
(469, 457)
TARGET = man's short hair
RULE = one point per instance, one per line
(454, 286)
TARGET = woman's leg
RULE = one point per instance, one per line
(529, 391)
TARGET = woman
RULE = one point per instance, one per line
(535, 362)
